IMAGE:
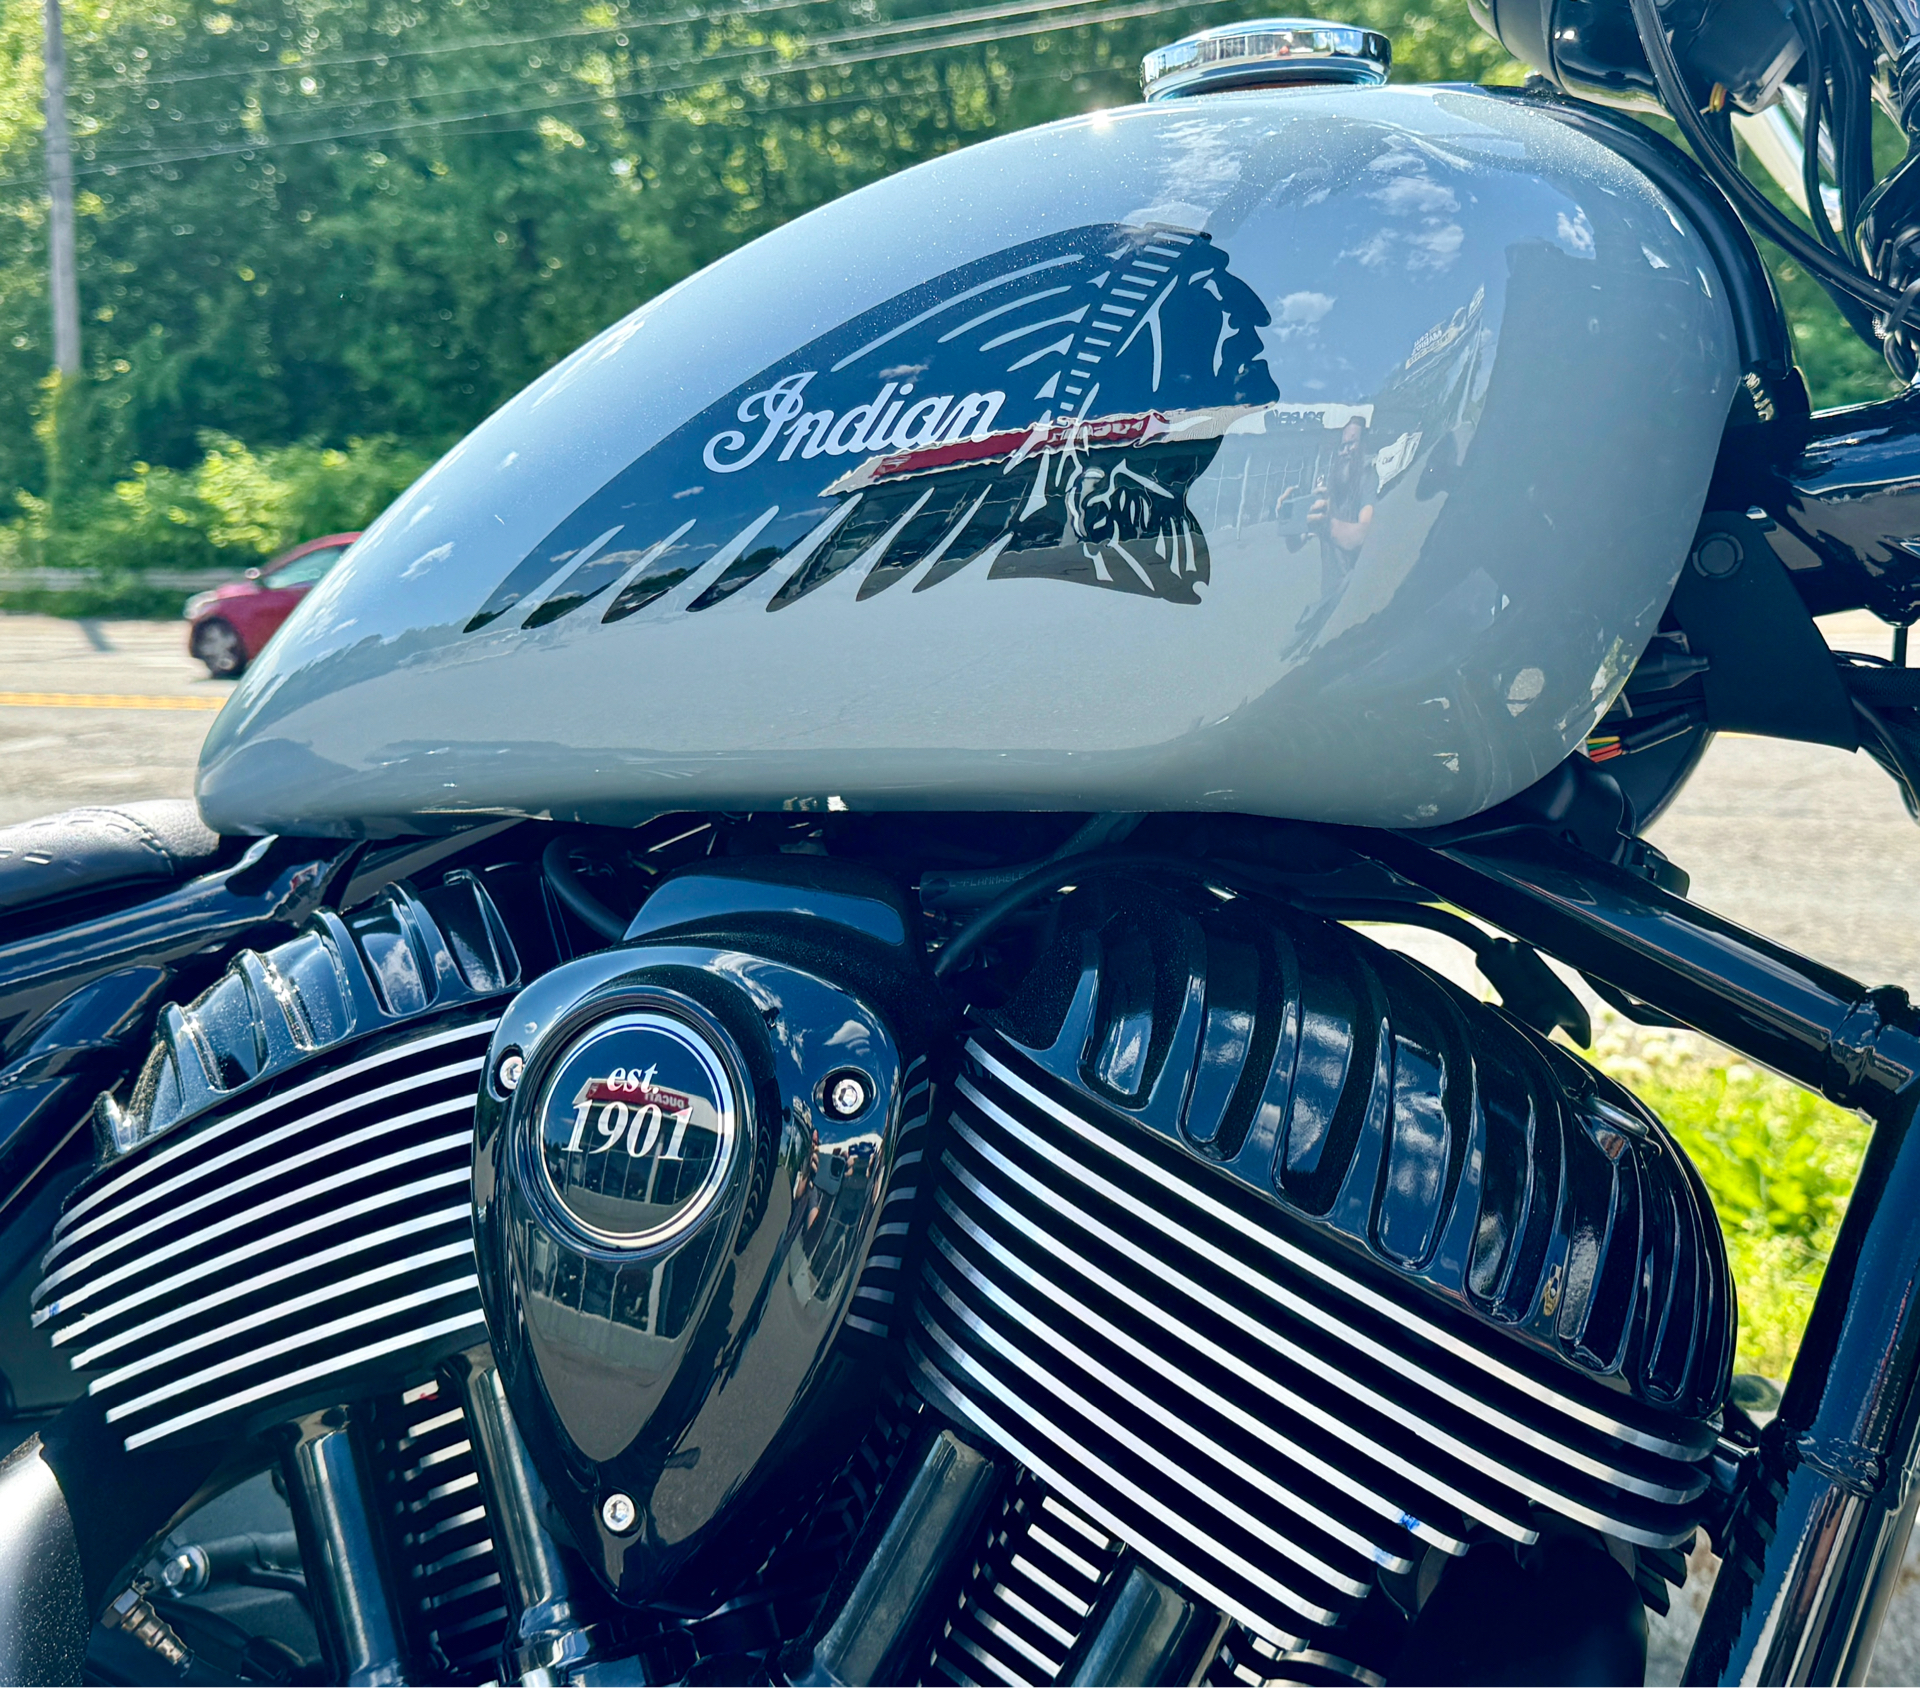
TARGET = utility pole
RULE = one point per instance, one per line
(62, 279)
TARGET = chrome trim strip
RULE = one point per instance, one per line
(458, 1521)
(415, 1432)
(1474, 1458)
(327, 1221)
(1074, 1521)
(1341, 1478)
(1334, 1663)
(1004, 1674)
(1063, 1553)
(202, 1174)
(439, 1456)
(441, 1491)
(994, 1627)
(1262, 1531)
(473, 1550)
(322, 1368)
(1032, 1613)
(333, 1075)
(1527, 1435)
(1249, 1474)
(1272, 1388)
(300, 1268)
(291, 1198)
(1333, 1279)
(970, 1410)
(331, 1149)
(435, 1602)
(272, 1315)
(1039, 1578)
(291, 1344)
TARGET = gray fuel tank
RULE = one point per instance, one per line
(1325, 453)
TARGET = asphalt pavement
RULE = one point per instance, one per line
(1808, 845)
(98, 712)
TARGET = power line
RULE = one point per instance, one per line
(864, 32)
(476, 44)
(1112, 14)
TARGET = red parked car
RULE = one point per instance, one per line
(232, 622)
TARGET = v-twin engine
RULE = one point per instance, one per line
(1215, 1295)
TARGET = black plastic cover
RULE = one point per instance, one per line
(728, 1366)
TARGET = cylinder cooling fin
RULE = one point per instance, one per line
(1286, 1264)
(1261, 1276)
(283, 1204)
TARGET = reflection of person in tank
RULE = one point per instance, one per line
(1341, 515)
(1342, 512)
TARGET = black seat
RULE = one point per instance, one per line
(91, 849)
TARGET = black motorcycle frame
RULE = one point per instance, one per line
(1823, 1507)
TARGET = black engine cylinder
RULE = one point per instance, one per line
(1289, 1265)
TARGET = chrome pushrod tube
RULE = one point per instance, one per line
(1820, 1526)
(334, 1519)
(547, 1639)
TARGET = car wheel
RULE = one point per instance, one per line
(217, 645)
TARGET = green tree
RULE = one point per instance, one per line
(309, 219)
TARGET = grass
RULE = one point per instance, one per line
(1778, 1161)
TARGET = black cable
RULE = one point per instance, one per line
(1852, 123)
(1810, 132)
(582, 902)
(951, 891)
(1640, 1013)
(1732, 180)
(1876, 681)
(1052, 876)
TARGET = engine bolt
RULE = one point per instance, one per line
(846, 1094)
(512, 1065)
(617, 1513)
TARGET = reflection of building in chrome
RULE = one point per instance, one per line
(1273, 481)
(1280, 460)
(1434, 397)
(831, 1218)
(632, 1312)
(638, 1311)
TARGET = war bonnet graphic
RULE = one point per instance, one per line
(1038, 414)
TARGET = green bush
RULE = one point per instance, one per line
(233, 510)
(1778, 1161)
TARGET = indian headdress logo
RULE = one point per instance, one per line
(1041, 413)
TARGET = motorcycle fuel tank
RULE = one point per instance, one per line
(1316, 452)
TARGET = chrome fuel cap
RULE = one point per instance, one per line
(1266, 53)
